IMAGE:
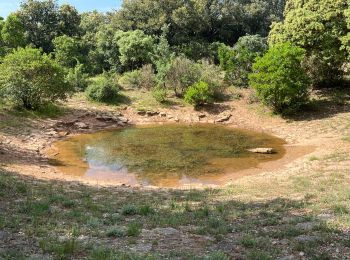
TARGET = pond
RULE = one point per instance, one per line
(164, 155)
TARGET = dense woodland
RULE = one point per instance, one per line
(192, 49)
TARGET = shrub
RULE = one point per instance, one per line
(134, 229)
(102, 90)
(199, 94)
(147, 77)
(77, 78)
(116, 232)
(279, 79)
(160, 94)
(130, 80)
(142, 78)
(129, 209)
(32, 79)
(237, 62)
(212, 75)
(182, 73)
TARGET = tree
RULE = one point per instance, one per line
(162, 57)
(67, 51)
(41, 22)
(69, 20)
(279, 79)
(319, 27)
(107, 49)
(32, 79)
(91, 23)
(13, 33)
(237, 62)
(135, 47)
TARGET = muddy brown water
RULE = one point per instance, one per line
(167, 155)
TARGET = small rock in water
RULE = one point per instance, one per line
(262, 150)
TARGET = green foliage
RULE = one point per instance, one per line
(212, 75)
(12, 32)
(130, 80)
(115, 232)
(162, 56)
(32, 79)
(134, 229)
(279, 79)
(198, 23)
(102, 89)
(182, 73)
(160, 94)
(77, 78)
(67, 51)
(320, 27)
(199, 94)
(107, 54)
(129, 209)
(237, 62)
(45, 20)
(142, 78)
(69, 20)
(135, 48)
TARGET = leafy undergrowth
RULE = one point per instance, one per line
(303, 215)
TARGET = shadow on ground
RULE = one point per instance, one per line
(328, 103)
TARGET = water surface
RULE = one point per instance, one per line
(164, 155)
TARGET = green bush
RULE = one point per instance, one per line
(211, 74)
(77, 78)
(141, 78)
(130, 80)
(181, 74)
(160, 94)
(199, 94)
(279, 78)
(237, 62)
(32, 79)
(102, 90)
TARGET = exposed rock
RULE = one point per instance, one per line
(52, 133)
(176, 119)
(305, 238)
(287, 257)
(3, 235)
(166, 231)
(63, 133)
(262, 150)
(223, 117)
(307, 226)
(162, 114)
(202, 115)
(81, 125)
(123, 120)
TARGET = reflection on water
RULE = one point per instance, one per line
(164, 155)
